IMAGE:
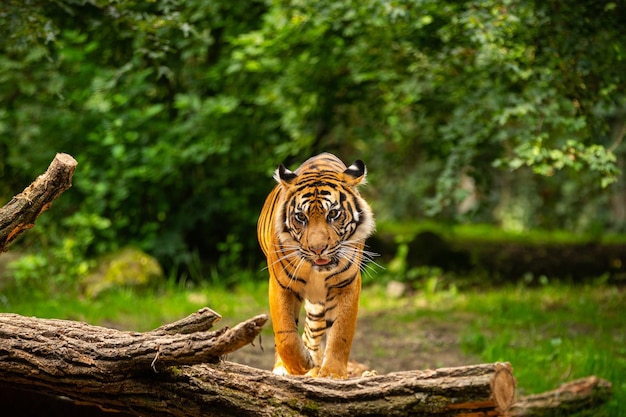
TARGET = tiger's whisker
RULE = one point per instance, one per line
(282, 258)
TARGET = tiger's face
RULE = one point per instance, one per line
(322, 216)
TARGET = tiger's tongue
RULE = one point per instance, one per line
(322, 261)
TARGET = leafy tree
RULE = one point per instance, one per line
(437, 90)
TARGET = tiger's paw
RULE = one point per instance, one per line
(337, 373)
(313, 372)
(280, 370)
(333, 368)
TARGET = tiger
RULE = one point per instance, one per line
(312, 230)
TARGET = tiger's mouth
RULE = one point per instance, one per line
(325, 263)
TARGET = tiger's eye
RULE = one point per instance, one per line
(333, 214)
(300, 217)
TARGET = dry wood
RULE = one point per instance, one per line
(461, 391)
(151, 374)
(581, 394)
(20, 213)
(145, 373)
(62, 348)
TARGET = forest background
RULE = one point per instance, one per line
(510, 113)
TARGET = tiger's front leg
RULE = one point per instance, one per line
(291, 355)
(340, 334)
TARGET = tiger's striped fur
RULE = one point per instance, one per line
(312, 230)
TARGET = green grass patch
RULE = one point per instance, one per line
(552, 335)
(128, 309)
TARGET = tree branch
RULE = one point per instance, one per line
(62, 348)
(581, 394)
(20, 213)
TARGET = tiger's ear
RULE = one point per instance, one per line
(355, 173)
(284, 176)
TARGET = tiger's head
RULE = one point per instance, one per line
(321, 216)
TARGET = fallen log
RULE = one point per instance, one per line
(151, 374)
(581, 394)
(178, 370)
(20, 213)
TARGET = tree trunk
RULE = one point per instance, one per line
(20, 213)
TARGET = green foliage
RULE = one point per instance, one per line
(178, 111)
(163, 155)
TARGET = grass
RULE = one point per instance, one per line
(141, 310)
(550, 334)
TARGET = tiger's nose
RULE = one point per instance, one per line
(318, 249)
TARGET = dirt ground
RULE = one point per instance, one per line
(423, 343)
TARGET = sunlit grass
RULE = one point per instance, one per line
(143, 310)
(552, 335)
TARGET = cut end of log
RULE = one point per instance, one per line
(503, 387)
(497, 393)
(66, 160)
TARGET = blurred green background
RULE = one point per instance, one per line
(496, 112)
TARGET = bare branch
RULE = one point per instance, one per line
(20, 213)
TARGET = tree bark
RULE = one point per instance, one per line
(68, 349)
(581, 394)
(20, 213)
(151, 374)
